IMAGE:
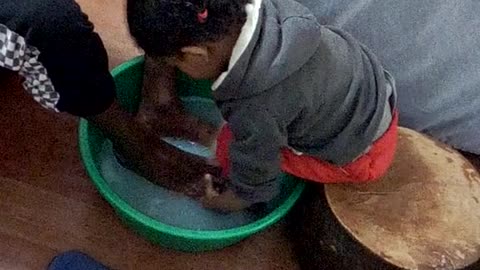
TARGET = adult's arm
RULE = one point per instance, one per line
(63, 61)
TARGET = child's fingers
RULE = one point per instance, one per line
(210, 191)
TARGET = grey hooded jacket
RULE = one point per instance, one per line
(300, 85)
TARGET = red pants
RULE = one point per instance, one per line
(368, 167)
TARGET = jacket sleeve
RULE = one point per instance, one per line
(62, 59)
(254, 153)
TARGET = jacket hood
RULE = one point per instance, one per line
(286, 36)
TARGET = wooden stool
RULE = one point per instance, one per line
(424, 214)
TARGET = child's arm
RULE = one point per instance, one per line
(251, 157)
(150, 157)
(161, 109)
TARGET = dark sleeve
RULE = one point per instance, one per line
(72, 53)
(254, 153)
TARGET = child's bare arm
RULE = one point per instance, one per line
(161, 109)
(150, 157)
(159, 82)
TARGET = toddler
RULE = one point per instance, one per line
(298, 97)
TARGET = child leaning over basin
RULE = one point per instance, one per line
(298, 97)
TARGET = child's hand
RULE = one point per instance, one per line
(223, 200)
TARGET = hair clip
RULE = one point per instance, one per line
(202, 16)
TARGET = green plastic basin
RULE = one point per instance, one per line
(128, 78)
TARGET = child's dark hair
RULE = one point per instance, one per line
(163, 27)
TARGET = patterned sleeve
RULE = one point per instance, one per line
(52, 45)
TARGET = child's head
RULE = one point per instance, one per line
(197, 36)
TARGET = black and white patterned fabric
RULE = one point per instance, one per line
(17, 55)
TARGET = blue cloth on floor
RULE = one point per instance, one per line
(75, 260)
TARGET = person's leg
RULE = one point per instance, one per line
(368, 167)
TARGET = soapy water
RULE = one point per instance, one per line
(173, 208)
(192, 147)
(163, 205)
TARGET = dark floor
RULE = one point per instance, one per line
(48, 205)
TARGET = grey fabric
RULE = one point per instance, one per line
(432, 47)
(302, 85)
